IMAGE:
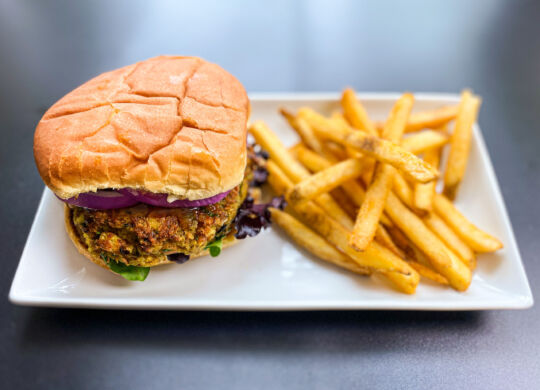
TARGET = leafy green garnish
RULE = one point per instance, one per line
(215, 247)
(129, 272)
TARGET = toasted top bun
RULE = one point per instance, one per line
(173, 125)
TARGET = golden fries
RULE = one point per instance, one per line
(429, 119)
(343, 169)
(476, 238)
(372, 208)
(294, 170)
(424, 140)
(382, 150)
(460, 143)
(355, 113)
(277, 151)
(451, 267)
(326, 180)
(378, 257)
(303, 130)
(424, 192)
(451, 239)
(428, 273)
(403, 190)
(314, 243)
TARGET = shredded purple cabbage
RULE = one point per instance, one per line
(258, 158)
(252, 218)
(179, 258)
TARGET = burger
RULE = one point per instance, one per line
(152, 163)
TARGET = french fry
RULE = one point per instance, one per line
(355, 113)
(312, 160)
(375, 256)
(475, 238)
(428, 139)
(294, 170)
(451, 239)
(403, 190)
(428, 273)
(383, 237)
(293, 150)
(378, 257)
(404, 283)
(303, 130)
(278, 180)
(326, 180)
(424, 192)
(334, 149)
(339, 118)
(277, 151)
(460, 143)
(372, 208)
(313, 243)
(451, 267)
(345, 202)
(429, 119)
(382, 150)
(316, 163)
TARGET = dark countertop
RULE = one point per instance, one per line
(50, 47)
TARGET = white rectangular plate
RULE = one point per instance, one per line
(269, 272)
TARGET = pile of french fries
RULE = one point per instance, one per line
(363, 197)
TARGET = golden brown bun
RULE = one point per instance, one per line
(81, 247)
(173, 125)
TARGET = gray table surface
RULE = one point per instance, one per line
(49, 47)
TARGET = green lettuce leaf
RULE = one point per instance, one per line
(215, 247)
(129, 272)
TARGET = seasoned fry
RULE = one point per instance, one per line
(293, 150)
(403, 190)
(372, 208)
(375, 256)
(279, 182)
(424, 140)
(334, 149)
(316, 163)
(424, 192)
(429, 119)
(383, 237)
(326, 180)
(277, 151)
(347, 166)
(345, 202)
(451, 239)
(312, 242)
(428, 273)
(381, 150)
(477, 239)
(294, 170)
(312, 160)
(339, 118)
(303, 130)
(460, 143)
(451, 267)
(355, 113)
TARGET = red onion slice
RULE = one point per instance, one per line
(102, 200)
(160, 200)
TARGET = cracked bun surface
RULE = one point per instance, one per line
(173, 125)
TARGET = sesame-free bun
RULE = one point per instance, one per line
(228, 241)
(173, 125)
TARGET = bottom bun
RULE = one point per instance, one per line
(81, 247)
